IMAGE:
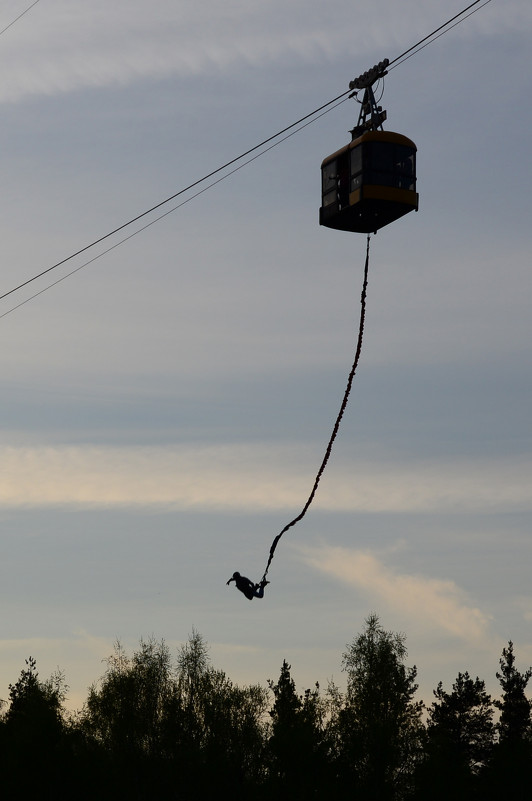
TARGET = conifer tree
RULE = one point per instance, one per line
(514, 724)
(511, 764)
(297, 749)
(460, 741)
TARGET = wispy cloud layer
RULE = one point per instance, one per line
(433, 603)
(102, 44)
(251, 476)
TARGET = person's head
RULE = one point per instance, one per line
(236, 575)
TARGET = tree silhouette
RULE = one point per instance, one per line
(509, 773)
(460, 740)
(33, 735)
(297, 748)
(175, 730)
(212, 727)
(379, 727)
(122, 718)
(514, 724)
(158, 725)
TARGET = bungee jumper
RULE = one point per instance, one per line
(246, 586)
(366, 185)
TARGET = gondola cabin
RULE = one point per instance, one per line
(369, 183)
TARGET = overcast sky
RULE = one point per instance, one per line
(166, 408)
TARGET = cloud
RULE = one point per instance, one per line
(56, 49)
(225, 477)
(252, 476)
(433, 603)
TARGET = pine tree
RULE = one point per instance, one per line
(514, 724)
(509, 774)
(460, 740)
(297, 749)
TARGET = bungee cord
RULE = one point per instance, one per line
(338, 419)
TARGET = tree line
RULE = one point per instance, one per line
(156, 726)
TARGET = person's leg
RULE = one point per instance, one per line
(259, 589)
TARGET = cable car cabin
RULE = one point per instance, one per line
(369, 183)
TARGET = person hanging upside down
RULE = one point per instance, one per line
(246, 586)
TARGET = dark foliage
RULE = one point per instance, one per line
(379, 730)
(460, 740)
(508, 775)
(514, 723)
(297, 745)
(32, 742)
(156, 726)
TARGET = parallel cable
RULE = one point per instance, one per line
(399, 59)
(169, 211)
(416, 48)
(173, 197)
(19, 17)
(338, 419)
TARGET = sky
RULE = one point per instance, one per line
(165, 409)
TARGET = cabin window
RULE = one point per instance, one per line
(343, 179)
(406, 168)
(390, 164)
(356, 168)
(329, 183)
(335, 181)
(329, 175)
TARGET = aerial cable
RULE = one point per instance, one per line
(338, 419)
(169, 211)
(411, 50)
(175, 195)
(17, 18)
(445, 28)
